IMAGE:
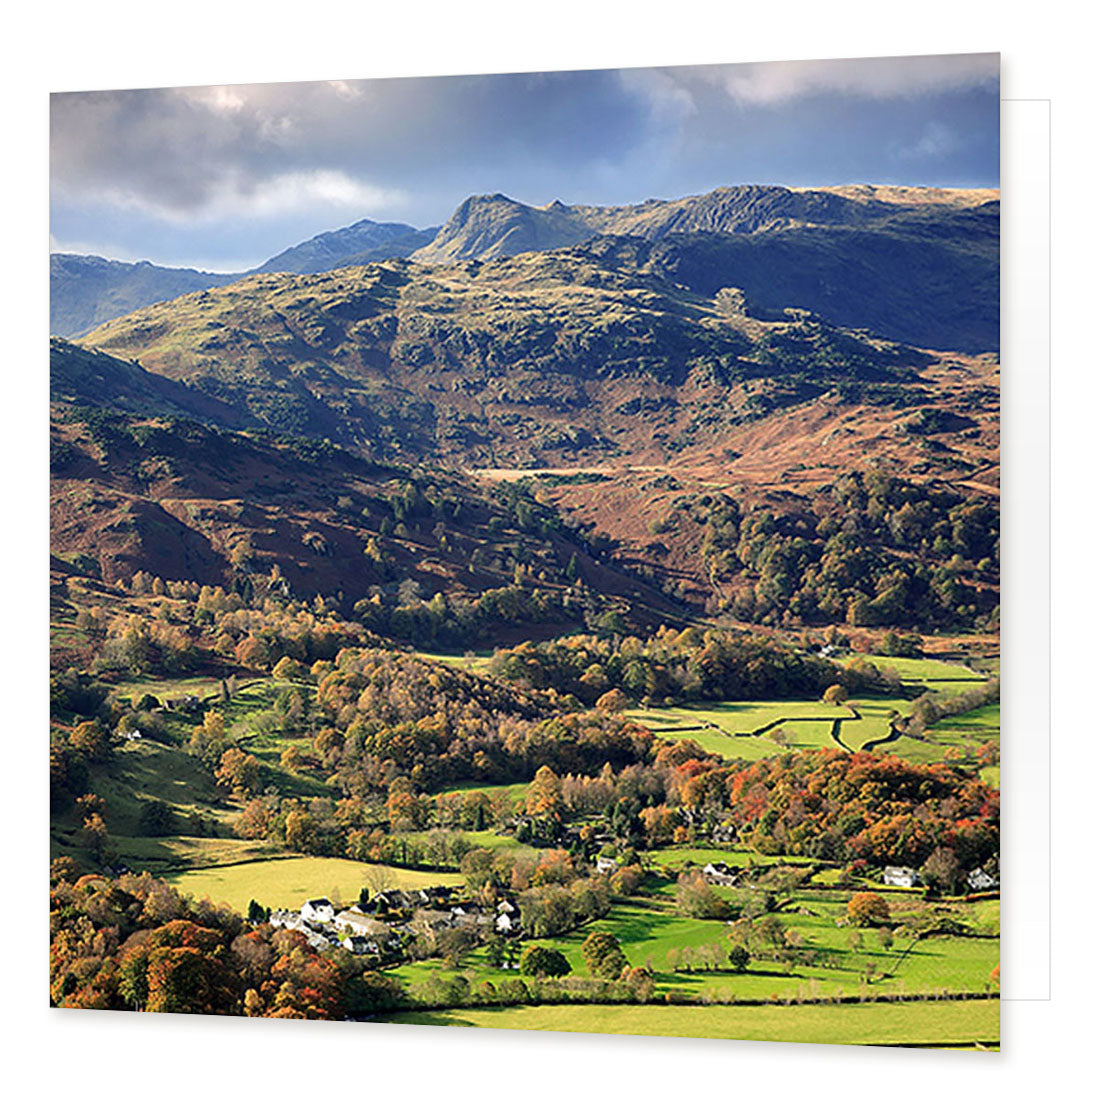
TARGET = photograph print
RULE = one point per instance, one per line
(524, 551)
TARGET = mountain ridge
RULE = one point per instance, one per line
(490, 226)
(86, 291)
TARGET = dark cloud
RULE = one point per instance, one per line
(238, 171)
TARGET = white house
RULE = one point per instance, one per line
(359, 945)
(900, 876)
(720, 874)
(507, 923)
(605, 865)
(981, 880)
(318, 910)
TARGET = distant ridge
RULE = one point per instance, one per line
(361, 243)
(86, 291)
(487, 227)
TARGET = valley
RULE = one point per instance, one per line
(595, 608)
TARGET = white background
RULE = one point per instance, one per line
(1047, 53)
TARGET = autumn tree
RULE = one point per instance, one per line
(239, 771)
(695, 897)
(286, 668)
(613, 702)
(190, 970)
(403, 808)
(94, 837)
(91, 739)
(603, 956)
(544, 794)
(867, 908)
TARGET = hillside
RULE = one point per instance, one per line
(84, 376)
(88, 290)
(797, 256)
(537, 359)
(85, 291)
(360, 243)
(726, 364)
(178, 500)
(928, 281)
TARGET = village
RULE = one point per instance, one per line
(384, 925)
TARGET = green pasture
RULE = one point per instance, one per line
(680, 857)
(926, 668)
(965, 732)
(289, 882)
(934, 1023)
(484, 838)
(805, 724)
(199, 686)
(649, 928)
(476, 662)
(515, 791)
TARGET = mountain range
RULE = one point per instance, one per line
(824, 249)
(641, 364)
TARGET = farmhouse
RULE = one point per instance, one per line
(979, 879)
(318, 910)
(360, 945)
(357, 923)
(605, 865)
(433, 919)
(900, 876)
(720, 874)
(318, 940)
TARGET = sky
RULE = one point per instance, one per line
(223, 177)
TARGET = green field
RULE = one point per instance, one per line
(649, 927)
(477, 662)
(926, 668)
(935, 1023)
(291, 881)
(484, 838)
(805, 724)
(678, 857)
(515, 791)
(141, 771)
(964, 732)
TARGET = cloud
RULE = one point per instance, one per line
(200, 152)
(237, 194)
(776, 82)
(935, 142)
(669, 100)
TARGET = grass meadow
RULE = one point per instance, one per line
(287, 882)
(972, 1024)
